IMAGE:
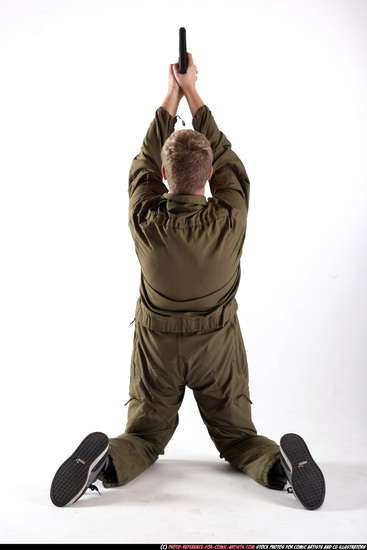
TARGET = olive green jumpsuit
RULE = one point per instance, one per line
(187, 331)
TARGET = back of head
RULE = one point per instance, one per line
(187, 158)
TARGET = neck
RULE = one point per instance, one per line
(200, 192)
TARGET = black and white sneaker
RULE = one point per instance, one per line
(80, 470)
(303, 474)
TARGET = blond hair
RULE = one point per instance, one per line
(187, 158)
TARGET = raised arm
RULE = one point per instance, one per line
(145, 177)
(229, 183)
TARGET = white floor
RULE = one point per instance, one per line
(188, 496)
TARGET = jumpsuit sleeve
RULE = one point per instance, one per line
(229, 183)
(145, 176)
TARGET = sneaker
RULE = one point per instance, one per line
(305, 477)
(80, 470)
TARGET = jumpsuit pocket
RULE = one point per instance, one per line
(240, 356)
(131, 398)
(240, 396)
(134, 367)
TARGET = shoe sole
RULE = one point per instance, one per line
(75, 475)
(306, 478)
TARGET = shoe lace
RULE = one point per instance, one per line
(94, 488)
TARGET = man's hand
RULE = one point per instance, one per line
(187, 83)
(174, 93)
(180, 85)
(173, 85)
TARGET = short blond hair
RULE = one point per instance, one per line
(187, 158)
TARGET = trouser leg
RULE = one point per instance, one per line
(219, 380)
(156, 393)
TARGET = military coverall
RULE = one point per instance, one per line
(187, 331)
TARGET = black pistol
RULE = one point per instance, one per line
(182, 60)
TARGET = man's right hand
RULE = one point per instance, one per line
(187, 83)
(188, 80)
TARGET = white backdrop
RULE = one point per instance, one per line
(80, 82)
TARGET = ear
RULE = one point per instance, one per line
(164, 173)
(211, 173)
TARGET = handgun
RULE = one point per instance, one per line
(182, 60)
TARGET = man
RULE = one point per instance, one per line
(187, 331)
